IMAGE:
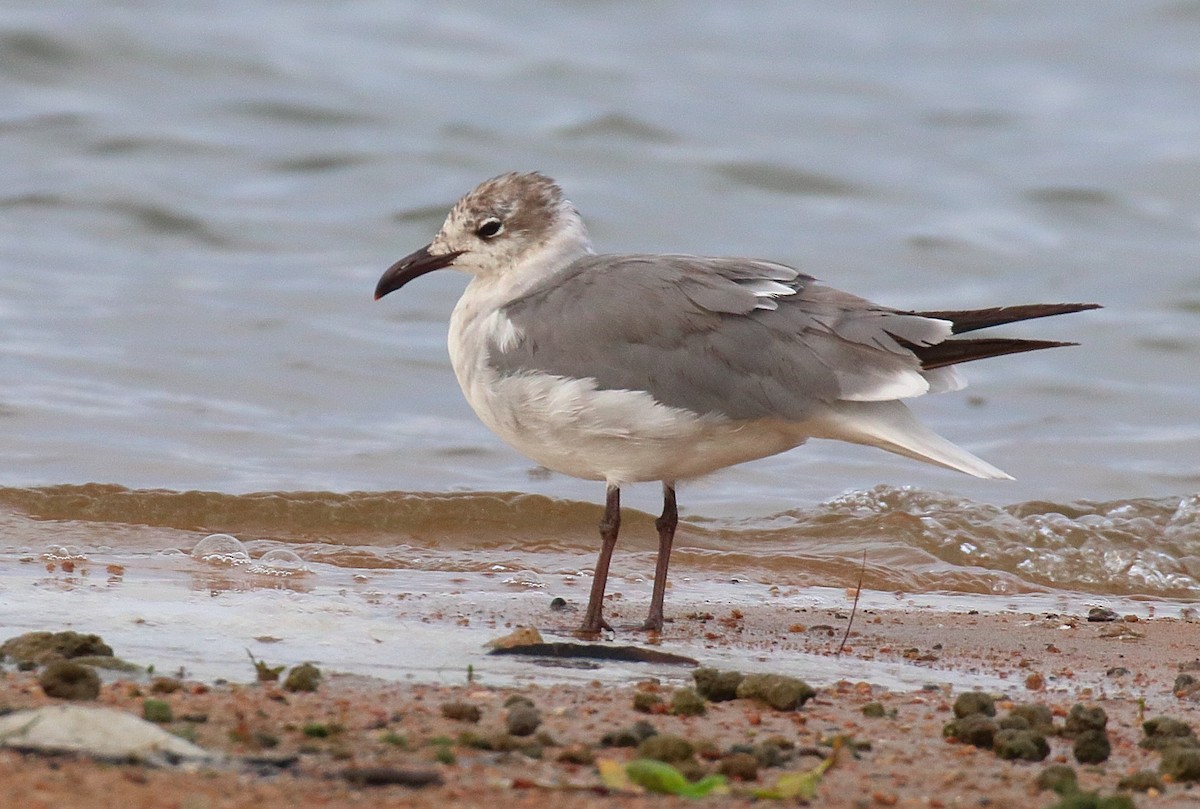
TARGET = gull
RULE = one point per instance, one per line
(629, 368)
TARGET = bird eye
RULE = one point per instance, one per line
(489, 228)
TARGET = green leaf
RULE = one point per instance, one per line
(657, 776)
(799, 784)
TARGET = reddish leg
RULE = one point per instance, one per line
(610, 524)
(666, 535)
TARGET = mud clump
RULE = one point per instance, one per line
(39, 648)
(874, 710)
(522, 720)
(974, 702)
(461, 711)
(1020, 745)
(1181, 763)
(1092, 747)
(305, 677)
(64, 679)
(717, 686)
(781, 692)
(686, 702)
(666, 747)
(975, 729)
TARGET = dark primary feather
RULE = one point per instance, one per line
(973, 319)
(952, 352)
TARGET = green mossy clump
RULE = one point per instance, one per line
(1092, 800)
(1092, 747)
(739, 767)
(157, 710)
(628, 737)
(1020, 745)
(1181, 763)
(646, 702)
(65, 679)
(1038, 716)
(522, 719)
(40, 648)
(1163, 732)
(874, 710)
(666, 747)
(781, 692)
(1060, 778)
(975, 729)
(461, 711)
(305, 677)
(974, 702)
(1083, 718)
(1142, 781)
(717, 686)
(686, 702)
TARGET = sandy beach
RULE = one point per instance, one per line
(324, 748)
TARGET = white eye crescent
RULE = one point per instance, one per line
(489, 228)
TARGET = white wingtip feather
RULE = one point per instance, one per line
(890, 426)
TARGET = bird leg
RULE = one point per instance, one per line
(610, 524)
(666, 535)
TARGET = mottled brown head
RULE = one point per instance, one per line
(511, 223)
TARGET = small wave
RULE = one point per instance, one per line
(911, 539)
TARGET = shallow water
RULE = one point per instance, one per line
(196, 200)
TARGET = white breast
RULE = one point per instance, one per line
(567, 425)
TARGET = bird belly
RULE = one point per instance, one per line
(619, 436)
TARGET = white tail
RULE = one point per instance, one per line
(890, 426)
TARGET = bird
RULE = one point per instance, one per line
(629, 368)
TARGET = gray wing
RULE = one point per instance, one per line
(745, 339)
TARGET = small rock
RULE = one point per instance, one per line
(686, 702)
(461, 711)
(165, 685)
(1142, 781)
(1092, 747)
(975, 729)
(1013, 722)
(577, 754)
(518, 699)
(391, 776)
(974, 702)
(717, 686)
(781, 692)
(666, 747)
(66, 680)
(1181, 763)
(305, 677)
(1101, 615)
(1084, 717)
(1020, 745)
(558, 603)
(522, 720)
(739, 767)
(1058, 777)
(102, 733)
(521, 636)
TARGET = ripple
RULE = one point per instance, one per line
(786, 180)
(617, 125)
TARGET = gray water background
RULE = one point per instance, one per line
(196, 199)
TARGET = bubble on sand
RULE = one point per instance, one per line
(62, 553)
(221, 549)
(280, 562)
(525, 578)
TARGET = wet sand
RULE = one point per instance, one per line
(1054, 659)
